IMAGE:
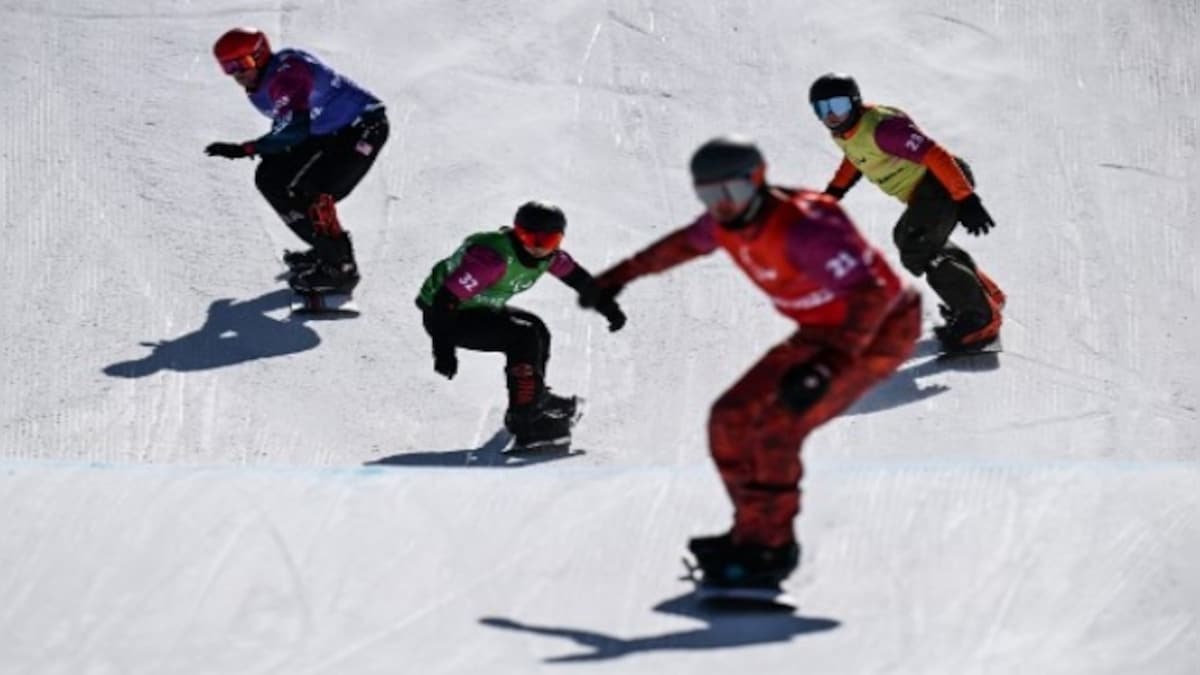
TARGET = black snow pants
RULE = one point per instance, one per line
(332, 164)
(923, 237)
(521, 336)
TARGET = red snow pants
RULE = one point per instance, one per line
(755, 440)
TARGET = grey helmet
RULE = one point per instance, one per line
(726, 157)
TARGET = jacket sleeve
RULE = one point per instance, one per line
(844, 179)
(674, 249)
(291, 132)
(290, 88)
(941, 163)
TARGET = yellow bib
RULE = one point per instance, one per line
(893, 175)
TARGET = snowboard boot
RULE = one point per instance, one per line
(970, 329)
(535, 417)
(532, 427)
(564, 407)
(300, 260)
(326, 278)
(334, 271)
(996, 297)
(728, 564)
(705, 546)
(967, 330)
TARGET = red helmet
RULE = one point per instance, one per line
(242, 49)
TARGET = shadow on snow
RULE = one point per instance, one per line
(904, 386)
(233, 333)
(490, 455)
(724, 629)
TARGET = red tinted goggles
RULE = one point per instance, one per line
(541, 240)
(239, 64)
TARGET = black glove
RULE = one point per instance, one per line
(612, 311)
(445, 361)
(596, 296)
(228, 150)
(803, 385)
(973, 216)
(835, 191)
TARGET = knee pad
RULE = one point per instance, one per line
(917, 263)
(803, 385)
(524, 345)
(300, 225)
(544, 344)
(942, 269)
(959, 255)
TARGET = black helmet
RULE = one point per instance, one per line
(833, 85)
(538, 216)
(726, 157)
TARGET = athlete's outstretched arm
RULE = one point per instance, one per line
(591, 296)
(687, 243)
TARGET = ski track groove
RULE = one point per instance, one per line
(448, 598)
(138, 603)
(19, 596)
(1013, 583)
(299, 588)
(582, 72)
(1138, 551)
(201, 596)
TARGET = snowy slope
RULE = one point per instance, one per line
(192, 483)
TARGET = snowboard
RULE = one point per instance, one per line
(993, 347)
(559, 443)
(771, 598)
(317, 302)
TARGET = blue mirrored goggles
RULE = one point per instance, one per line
(839, 106)
(732, 192)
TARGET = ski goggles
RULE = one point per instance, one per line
(234, 66)
(735, 192)
(838, 106)
(546, 241)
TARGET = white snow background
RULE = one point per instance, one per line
(190, 482)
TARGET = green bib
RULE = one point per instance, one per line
(895, 176)
(517, 277)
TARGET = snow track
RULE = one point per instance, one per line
(190, 482)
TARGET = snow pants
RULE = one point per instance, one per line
(332, 164)
(755, 440)
(523, 338)
(922, 235)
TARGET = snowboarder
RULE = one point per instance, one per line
(857, 323)
(464, 301)
(886, 146)
(326, 133)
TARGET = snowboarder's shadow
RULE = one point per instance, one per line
(904, 386)
(724, 629)
(233, 332)
(489, 455)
